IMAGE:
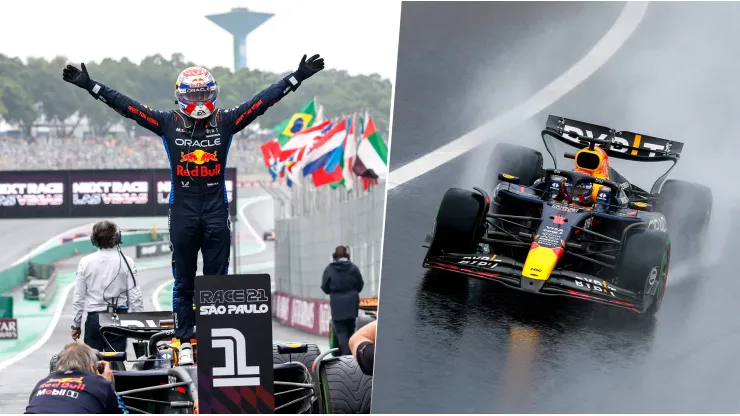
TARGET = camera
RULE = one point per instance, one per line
(99, 367)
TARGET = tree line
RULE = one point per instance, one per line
(35, 88)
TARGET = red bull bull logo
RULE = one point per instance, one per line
(66, 380)
(198, 157)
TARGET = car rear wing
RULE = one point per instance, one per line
(621, 144)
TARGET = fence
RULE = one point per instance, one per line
(310, 222)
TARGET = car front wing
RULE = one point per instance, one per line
(560, 282)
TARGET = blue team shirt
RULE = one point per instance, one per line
(74, 392)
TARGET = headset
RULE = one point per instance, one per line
(334, 254)
(117, 241)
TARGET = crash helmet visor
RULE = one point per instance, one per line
(198, 94)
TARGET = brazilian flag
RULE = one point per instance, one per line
(301, 120)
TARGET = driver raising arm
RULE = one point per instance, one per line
(196, 137)
(76, 386)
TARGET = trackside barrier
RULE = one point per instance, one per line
(154, 249)
(15, 276)
(6, 307)
(42, 283)
(47, 292)
(310, 315)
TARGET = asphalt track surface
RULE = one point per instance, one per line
(449, 344)
(17, 380)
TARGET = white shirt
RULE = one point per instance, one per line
(103, 279)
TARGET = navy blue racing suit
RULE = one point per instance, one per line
(198, 214)
(74, 392)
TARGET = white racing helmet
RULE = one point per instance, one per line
(196, 91)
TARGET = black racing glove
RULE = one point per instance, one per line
(74, 76)
(309, 67)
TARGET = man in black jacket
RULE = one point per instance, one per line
(343, 283)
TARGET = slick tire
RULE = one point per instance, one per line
(522, 162)
(459, 222)
(345, 388)
(687, 208)
(53, 363)
(643, 267)
(307, 358)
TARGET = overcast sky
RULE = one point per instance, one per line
(358, 36)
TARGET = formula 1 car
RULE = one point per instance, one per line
(305, 380)
(369, 307)
(586, 233)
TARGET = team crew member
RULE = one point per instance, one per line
(106, 282)
(342, 281)
(76, 387)
(362, 344)
(196, 136)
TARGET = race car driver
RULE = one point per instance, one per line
(196, 136)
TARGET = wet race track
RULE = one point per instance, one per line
(451, 344)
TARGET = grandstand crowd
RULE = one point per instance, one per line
(46, 153)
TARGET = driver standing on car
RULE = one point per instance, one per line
(197, 137)
(76, 386)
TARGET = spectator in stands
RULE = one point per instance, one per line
(106, 282)
(362, 345)
(109, 152)
(76, 386)
(342, 281)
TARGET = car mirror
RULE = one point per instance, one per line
(508, 178)
(111, 356)
(642, 206)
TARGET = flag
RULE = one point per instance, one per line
(301, 139)
(319, 115)
(372, 154)
(291, 166)
(294, 162)
(349, 152)
(271, 155)
(326, 151)
(301, 120)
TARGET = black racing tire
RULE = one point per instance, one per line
(643, 267)
(687, 208)
(345, 388)
(53, 363)
(307, 358)
(520, 161)
(334, 342)
(459, 222)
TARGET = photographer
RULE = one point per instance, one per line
(76, 386)
(342, 281)
(106, 282)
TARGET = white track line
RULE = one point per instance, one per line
(155, 295)
(608, 45)
(243, 218)
(45, 245)
(47, 335)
